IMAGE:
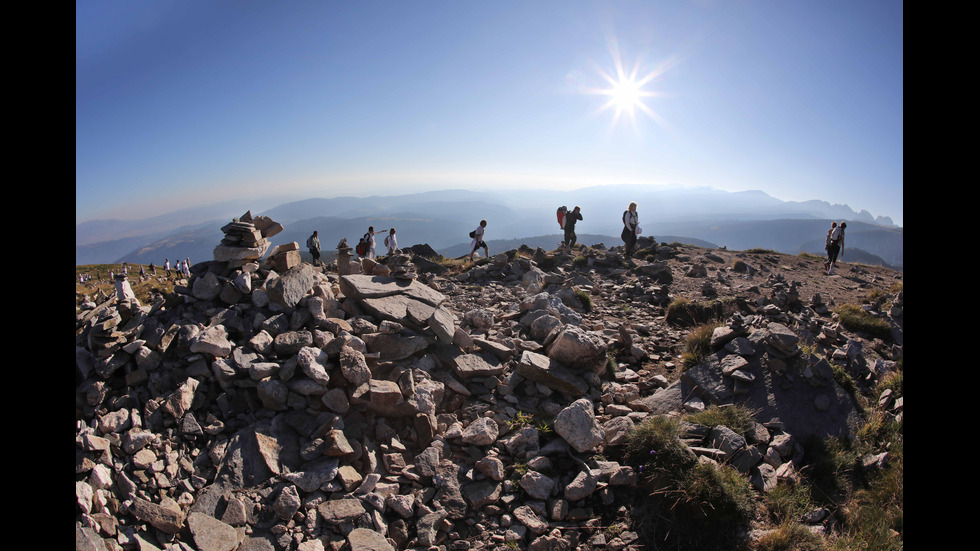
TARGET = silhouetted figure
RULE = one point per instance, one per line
(631, 223)
(569, 221)
(835, 245)
(313, 243)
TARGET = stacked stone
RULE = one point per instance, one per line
(401, 267)
(246, 239)
(343, 258)
(284, 257)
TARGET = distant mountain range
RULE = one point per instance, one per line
(442, 219)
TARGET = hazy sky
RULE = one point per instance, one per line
(178, 102)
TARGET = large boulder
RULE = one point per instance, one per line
(293, 285)
(577, 424)
(579, 350)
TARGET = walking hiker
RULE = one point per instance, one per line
(478, 241)
(166, 266)
(313, 243)
(569, 222)
(835, 245)
(631, 227)
(391, 242)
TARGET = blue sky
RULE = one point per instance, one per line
(178, 103)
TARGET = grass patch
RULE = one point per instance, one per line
(791, 536)
(697, 344)
(736, 417)
(855, 318)
(687, 504)
(683, 312)
(585, 298)
(101, 285)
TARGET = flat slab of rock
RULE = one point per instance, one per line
(361, 286)
(477, 365)
(336, 511)
(362, 539)
(542, 369)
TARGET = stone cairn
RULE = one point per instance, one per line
(401, 267)
(246, 239)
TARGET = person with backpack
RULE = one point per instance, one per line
(478, 241)
(631, 226)
(313, 243)
(835, 245)
(569, 224)
(368, 241)
(391, 242)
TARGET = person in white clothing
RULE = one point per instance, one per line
(369, 237)
(835, 246)
(391, 242)
(478, 239)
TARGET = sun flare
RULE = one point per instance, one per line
(627, 92)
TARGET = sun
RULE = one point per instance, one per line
(626, 95)
(627, 92)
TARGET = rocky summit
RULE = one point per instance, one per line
(276, 405)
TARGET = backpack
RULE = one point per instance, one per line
(473, 234)
(562, 211)
(361, 248)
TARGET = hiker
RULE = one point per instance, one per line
(313, 243)
(153, 269)
(187, 266)
(835, 245)
(391, 242)
(569, 222)
(166, 266)
(478, 241)
(826, 244)
(631, 226)
(142, 273)
(369, 241)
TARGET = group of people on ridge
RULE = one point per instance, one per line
(567, 219)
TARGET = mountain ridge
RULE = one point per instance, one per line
(691, 213)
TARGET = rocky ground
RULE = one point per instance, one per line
(290, 407)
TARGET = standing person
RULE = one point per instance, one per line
(153, 269)
(187, 266)
(391, 242)
(313, 243)
(142, 273)
(369, 238)
(631, 222)
(835, 247)
(826, 245)
(478, 241)
(166, 266)
(570, 220)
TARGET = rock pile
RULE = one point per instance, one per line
(246, 239)
(298, 409)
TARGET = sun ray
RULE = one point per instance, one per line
(626, 89)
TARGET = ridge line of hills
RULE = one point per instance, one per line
(711, 218)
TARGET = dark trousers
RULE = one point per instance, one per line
(570, 236)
